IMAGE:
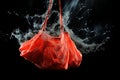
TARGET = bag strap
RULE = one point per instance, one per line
(48, 13)
(61, 22)
(46, 18)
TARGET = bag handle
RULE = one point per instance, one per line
(46, 18)
(48, 13)
(61, 22)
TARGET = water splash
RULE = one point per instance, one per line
(75, 16)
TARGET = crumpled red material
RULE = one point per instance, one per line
(51, 52)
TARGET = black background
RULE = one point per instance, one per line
(94, 66)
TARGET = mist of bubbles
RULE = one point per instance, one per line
(75, 13)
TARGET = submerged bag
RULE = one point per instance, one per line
(51, 52)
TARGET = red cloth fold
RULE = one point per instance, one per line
(48, 52)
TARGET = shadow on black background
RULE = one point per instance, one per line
(94, 66)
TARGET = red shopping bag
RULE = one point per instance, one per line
(51, 52)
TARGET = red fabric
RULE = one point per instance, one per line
(49, 52)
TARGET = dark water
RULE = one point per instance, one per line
(101, 63)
